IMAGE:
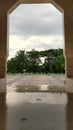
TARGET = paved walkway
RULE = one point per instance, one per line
(35, 81)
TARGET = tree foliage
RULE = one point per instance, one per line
(31, 62)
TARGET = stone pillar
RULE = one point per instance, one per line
(3, 42)
(3, 59)
(4, 8)
(3, 49)
(68, 20)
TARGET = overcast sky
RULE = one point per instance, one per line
(35, 26)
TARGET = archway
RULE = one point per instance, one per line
(48, 35)
(68, 28)
(27, 118)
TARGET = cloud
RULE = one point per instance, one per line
(34, 42)
(35, 26)
(28, 20)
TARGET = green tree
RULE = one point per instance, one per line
(48, 63)
(59, 64)
(34, 61)
(11, 68)
(19, 63)
(31, 62)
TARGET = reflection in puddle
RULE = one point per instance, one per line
(44, 87)
(53, 112)
(40, 88)
(25, 88)
(47, 111)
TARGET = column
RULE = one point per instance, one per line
(3, 49)
(68, 25)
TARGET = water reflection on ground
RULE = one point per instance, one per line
(39, 88)
(45, 111)
(36, 111)
(37, 83)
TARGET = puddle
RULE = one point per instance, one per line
(25, 88)
(40, 88)
(44, 87)
(56, 88)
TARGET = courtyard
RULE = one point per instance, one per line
(36, 110)
(36, 83)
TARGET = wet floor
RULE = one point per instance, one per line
(42, 83)
(36, 111)
(39, 88)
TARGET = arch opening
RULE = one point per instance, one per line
(41, 33)
(37, 97)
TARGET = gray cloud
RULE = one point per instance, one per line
(56, 43)
(30, 20)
